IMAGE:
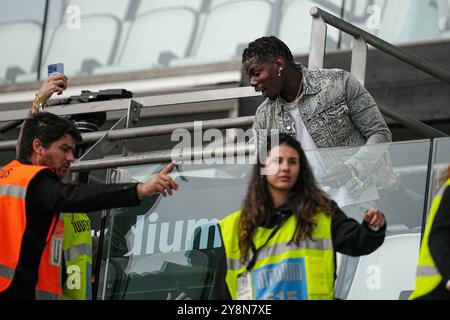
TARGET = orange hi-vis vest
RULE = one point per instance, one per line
(15, 178)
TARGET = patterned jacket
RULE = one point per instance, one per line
(337, 111)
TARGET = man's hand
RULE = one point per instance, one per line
(374, 218)
(159, 183)
(337, 176)
(57, 83)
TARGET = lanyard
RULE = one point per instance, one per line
(255, 251)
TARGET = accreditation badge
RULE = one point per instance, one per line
(244, 286)
(56, 251)
(56, 243)
(283, 280)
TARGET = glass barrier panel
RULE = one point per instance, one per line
(392, 178)
(167, 247)
(150, 248)
(441, 161)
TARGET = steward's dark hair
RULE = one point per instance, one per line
(266, 49)
(445, 176)
(46, 127)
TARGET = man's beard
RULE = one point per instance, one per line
(64, 177)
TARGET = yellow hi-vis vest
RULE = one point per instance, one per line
(77, 248)
(427, 275)
(283, 271)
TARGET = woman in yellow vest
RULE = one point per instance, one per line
(433, 270)
(282, 244)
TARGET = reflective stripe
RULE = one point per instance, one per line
(427, 271)
(44, 295)
(280, 248)
(13, 191)
(6, 272)
(77, 251)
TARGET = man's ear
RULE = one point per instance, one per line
(37, 146)
(280, 63)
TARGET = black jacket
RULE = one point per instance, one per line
(46, 195)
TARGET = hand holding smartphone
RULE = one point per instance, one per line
(56, 82)
(54, 69)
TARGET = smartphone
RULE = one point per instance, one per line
(54, 69)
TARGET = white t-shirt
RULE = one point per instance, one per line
(341, 195)
(302, 134)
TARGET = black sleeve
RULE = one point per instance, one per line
(439, 241)
(352, 238)
(220, 289)
(47, 193)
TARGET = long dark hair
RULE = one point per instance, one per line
(305, 199)
(444, 177)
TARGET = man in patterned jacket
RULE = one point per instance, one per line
(321, 108)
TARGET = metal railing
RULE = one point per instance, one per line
(361, 39)
(149, 131)
(147, 102)
(316, 58)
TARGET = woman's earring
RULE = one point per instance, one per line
(279, 72)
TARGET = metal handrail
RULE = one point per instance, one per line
(200, 153)
(410, 122)
(359, 57)
(148, 131)
(147, 102)
(382, 45)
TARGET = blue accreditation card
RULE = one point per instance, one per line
(284, 280)
(54, 69)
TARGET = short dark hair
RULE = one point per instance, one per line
(266, 49)
(47, 127)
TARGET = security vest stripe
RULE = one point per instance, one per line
(77, 251)
(6, 272)
(13, 191)
(280, 248)
(427, 271)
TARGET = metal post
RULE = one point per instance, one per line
(98, 263)
(359, 59)
(133, 114)
(318, 41)
(429, 191)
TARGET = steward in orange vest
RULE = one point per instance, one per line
(14, 181)
(32, 196)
